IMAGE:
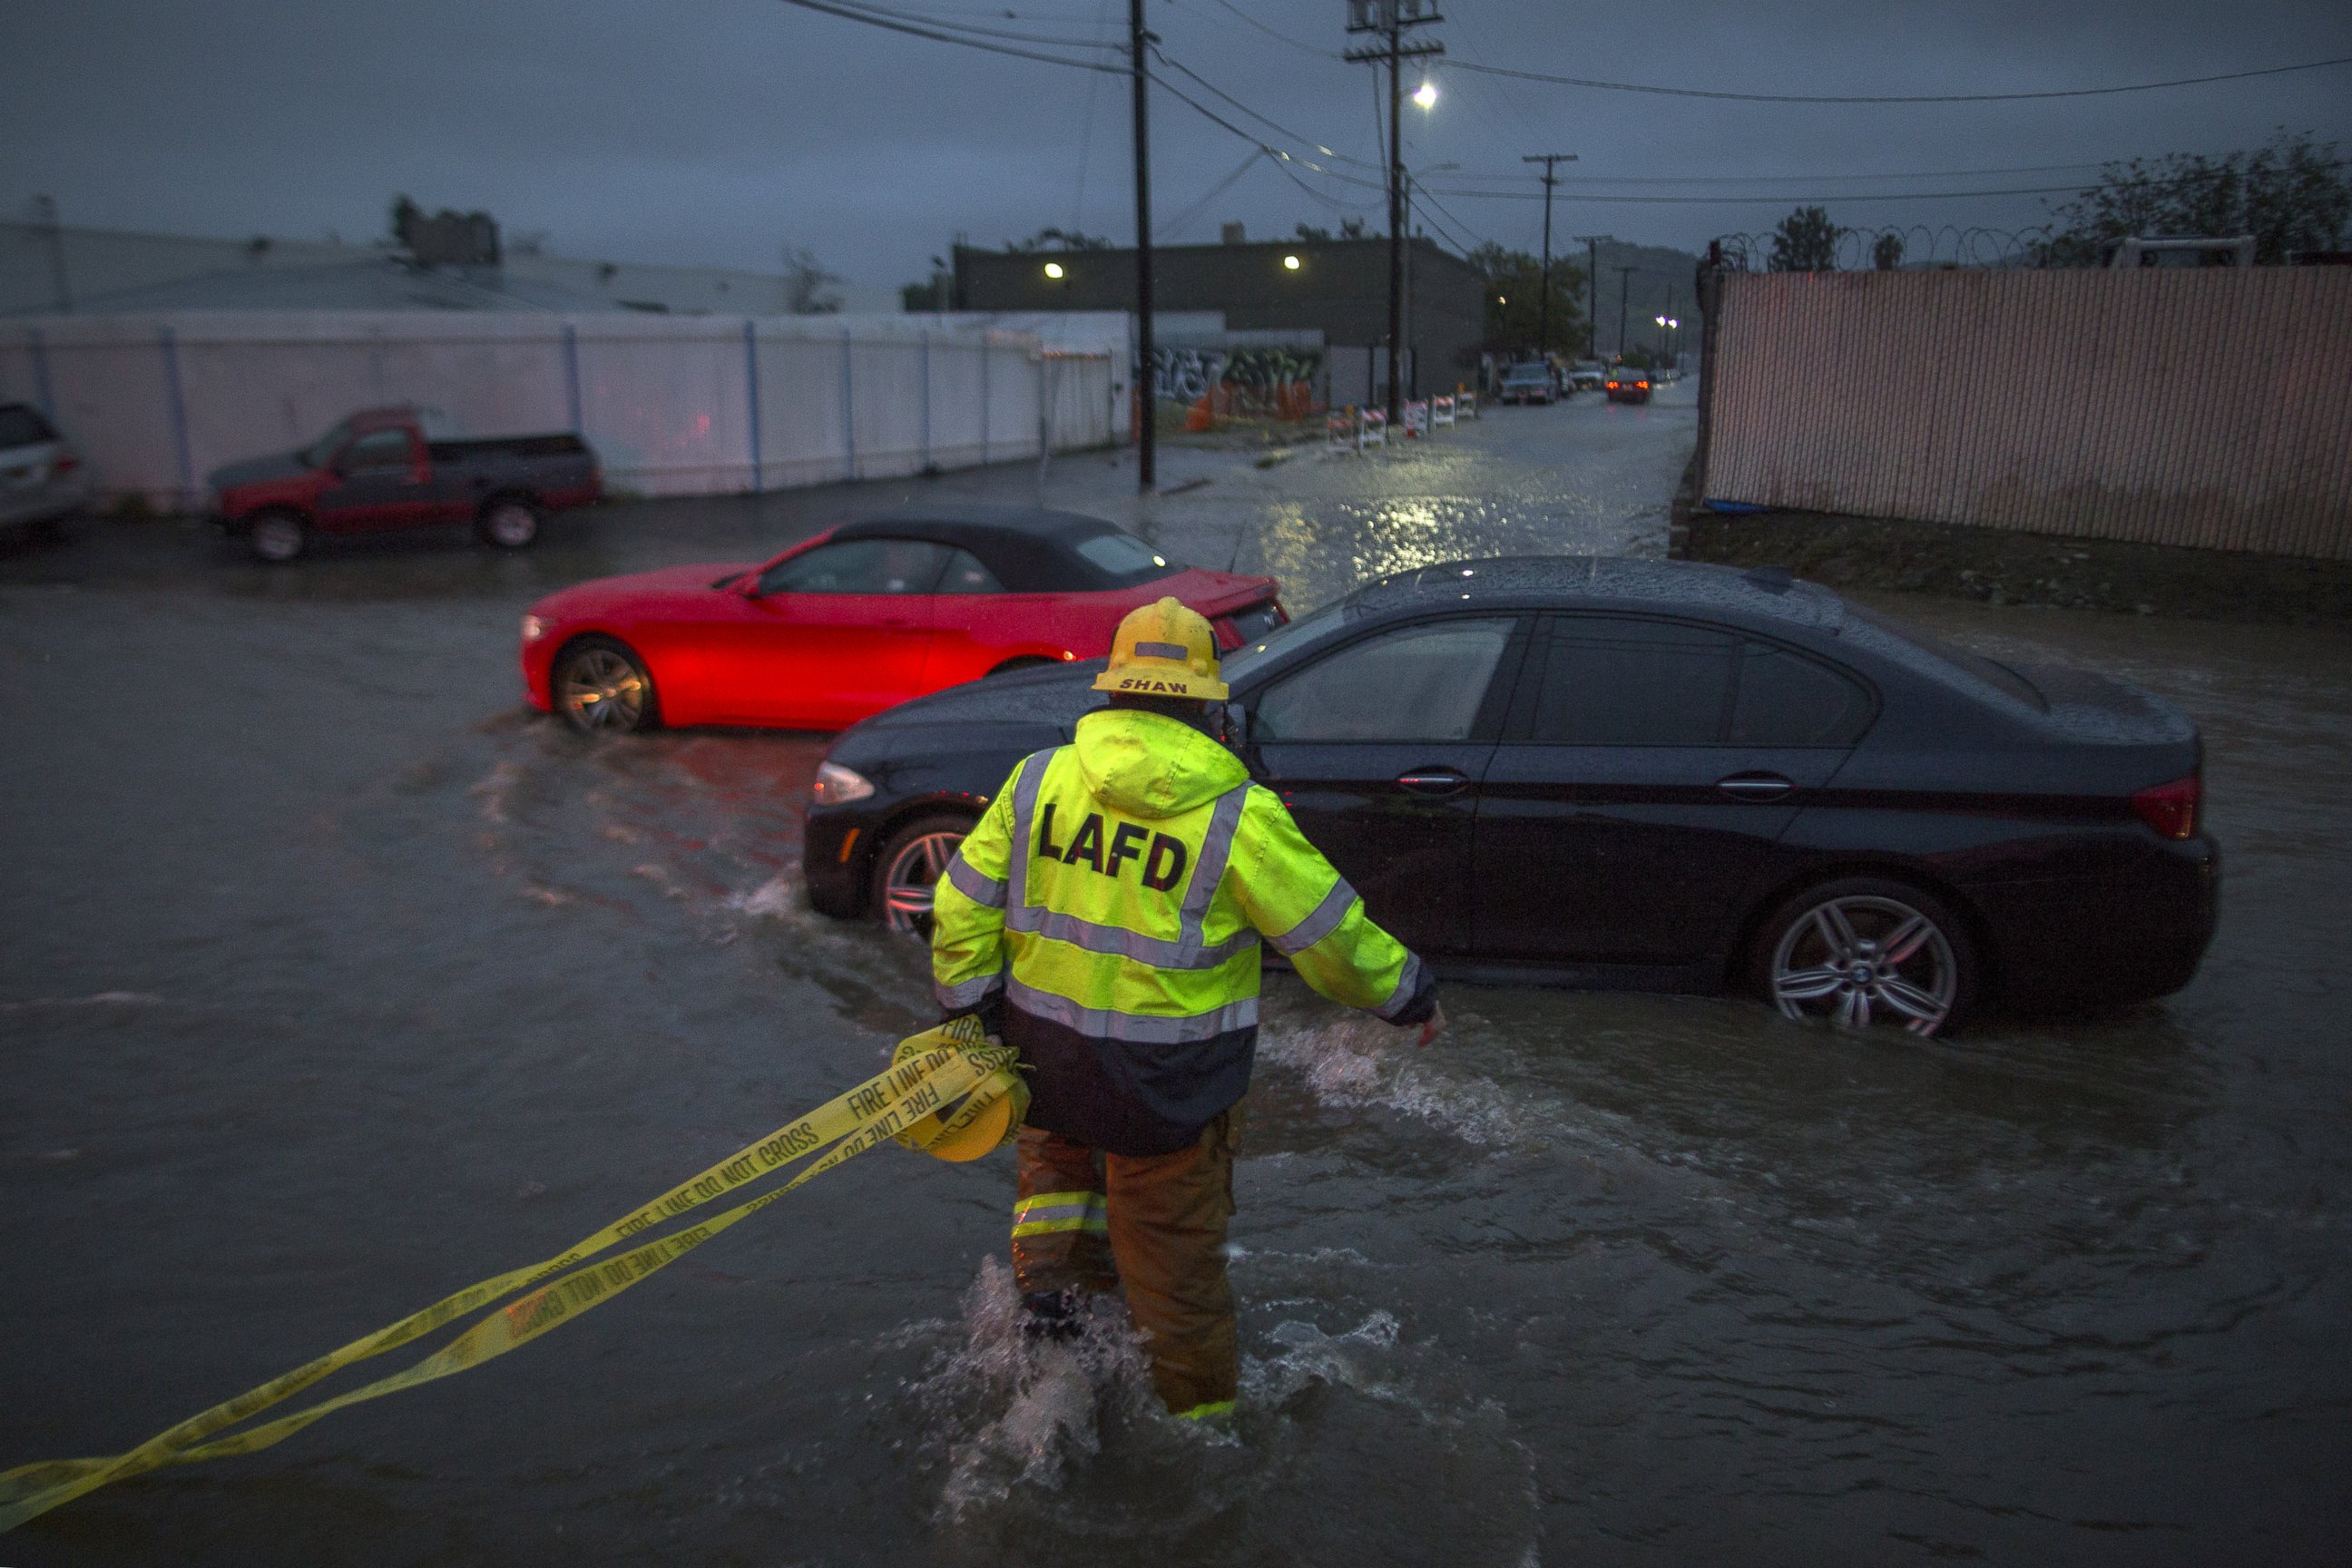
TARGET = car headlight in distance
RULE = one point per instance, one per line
(837, 785)
(534, 628)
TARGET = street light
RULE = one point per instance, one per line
(1425, 95)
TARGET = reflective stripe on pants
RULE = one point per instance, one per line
(1167, 1216)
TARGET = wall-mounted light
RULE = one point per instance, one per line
(1053, 269)
(1290, 263)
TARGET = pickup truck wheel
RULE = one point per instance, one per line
(276, 536)
(599, 683)
(509, 523)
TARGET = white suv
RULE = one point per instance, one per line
(42, 479)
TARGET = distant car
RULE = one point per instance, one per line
(1586, 378)
(1626, 384)
(379, 470)
(1651, 774)
(859, 618)
(42, 478)
(1527, 382)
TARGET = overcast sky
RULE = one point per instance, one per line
(723, 131)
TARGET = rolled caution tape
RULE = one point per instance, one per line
(984, 1123)
(952, 1069)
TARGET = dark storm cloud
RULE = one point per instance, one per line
(724, 131)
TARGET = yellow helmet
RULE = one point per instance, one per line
(1164, 650)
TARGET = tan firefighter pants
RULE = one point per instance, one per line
(1088, 1220)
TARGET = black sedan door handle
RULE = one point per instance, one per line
(1436, 780)
(1755, 786)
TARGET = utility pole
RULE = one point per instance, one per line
(1543, 309)
(45, 208)
(1624, 277)
(1391, 19)
(1592, 293)
(1147, 435)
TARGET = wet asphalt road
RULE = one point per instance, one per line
(334, 980)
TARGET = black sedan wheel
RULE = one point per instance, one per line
(600, 684)
(909, 868)
(1866, 952)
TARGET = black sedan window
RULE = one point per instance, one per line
(1610, 682)
(859, 566)
(1418, 683)
(1787, 699)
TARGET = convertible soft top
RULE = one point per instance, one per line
(1032, 550)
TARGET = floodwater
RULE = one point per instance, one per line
(334, 981)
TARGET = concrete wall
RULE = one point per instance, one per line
(2209, 408)
(671, 405)
(1341, 288)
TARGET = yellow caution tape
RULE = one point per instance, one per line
(952, 1062)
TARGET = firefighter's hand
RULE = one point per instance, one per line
(1431, 1026)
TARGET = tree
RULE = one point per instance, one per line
(1806, 241)
(1887, 252)
(1057, 239)
(2293, 194)
(406, 214)
(1313, 231)
(936, 294)
(805, 283)
(1515, 300)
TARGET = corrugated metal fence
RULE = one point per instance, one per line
(2209, 408)
(672, 405)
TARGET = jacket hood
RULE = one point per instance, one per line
(1146, 764)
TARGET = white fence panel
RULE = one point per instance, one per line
(672, 405)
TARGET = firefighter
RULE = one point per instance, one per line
(1105, 917)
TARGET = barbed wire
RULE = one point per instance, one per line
(1917, 245)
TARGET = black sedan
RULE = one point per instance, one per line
(1647, 774)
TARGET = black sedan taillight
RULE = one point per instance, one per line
(2172, 808)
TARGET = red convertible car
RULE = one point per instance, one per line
(861, 619)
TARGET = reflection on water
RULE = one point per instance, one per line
(334, 981)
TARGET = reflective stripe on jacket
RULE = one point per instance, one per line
(1118, 888)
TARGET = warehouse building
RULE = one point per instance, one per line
(1337, 287)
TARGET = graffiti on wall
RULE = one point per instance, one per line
(1265, 383)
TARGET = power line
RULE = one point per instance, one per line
(1214, 191)
(1769, 179)
(1845, 196)
(1269, 32)
(848, 15)
(1272, 124)
(1282, 158)
(1892, 98)
(865, 8)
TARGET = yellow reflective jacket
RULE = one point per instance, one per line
(1112, 898)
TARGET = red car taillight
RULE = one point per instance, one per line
(2171, 808)
(64, 463)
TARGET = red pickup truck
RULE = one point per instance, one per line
(379, 470)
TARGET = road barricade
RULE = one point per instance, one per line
(1416, 418)
(1441, 412)
(1465, 405)
(1339, 431)
(1371, 428)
